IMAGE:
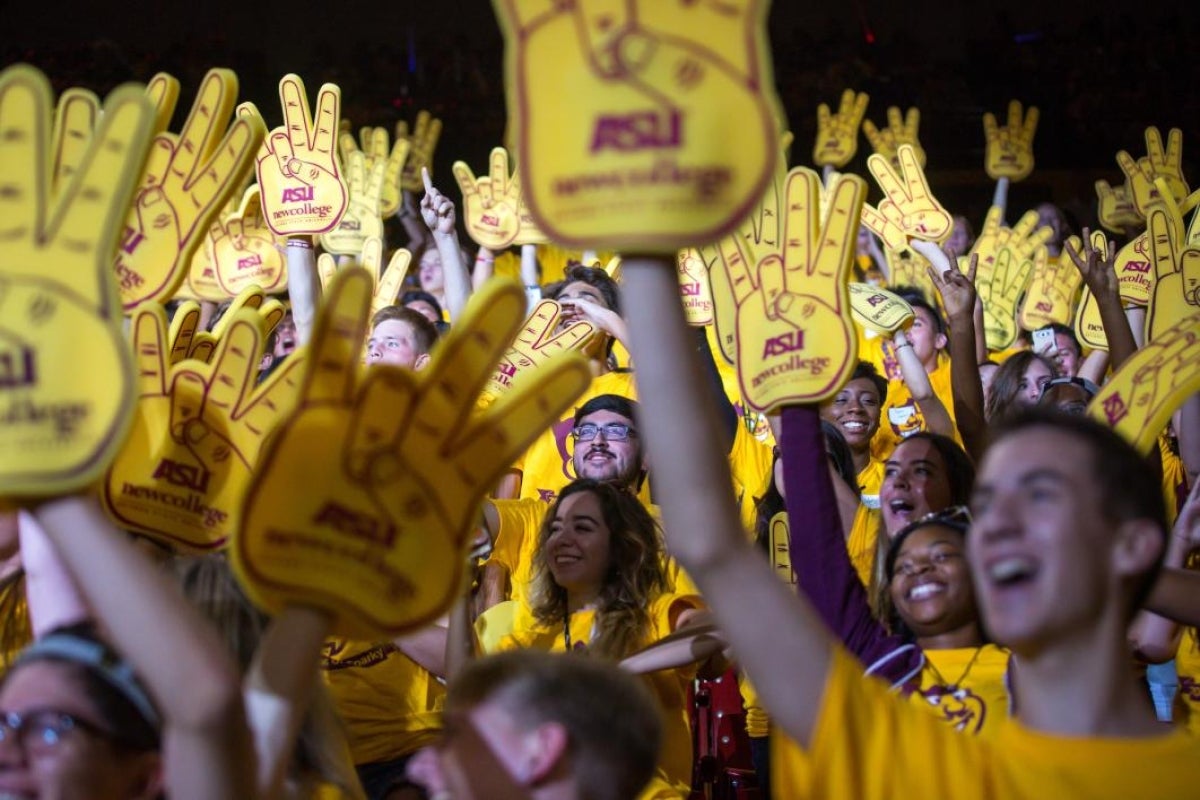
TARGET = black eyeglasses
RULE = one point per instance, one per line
(41, 731)
(613, 431)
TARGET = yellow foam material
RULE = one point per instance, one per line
(1008, 149)
(244, 250)
(494, 212)
(837, 134)
(376, 150)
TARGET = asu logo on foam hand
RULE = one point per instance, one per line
(624, 114)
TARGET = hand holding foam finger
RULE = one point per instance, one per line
(694, 287)
(898, 132)
(878, 309)
(543, 336)
(65, 367)
(909, 202)
(1115, 208)
(1009, 148)
(795, 338)
(245, 251)
(186, 181)
(303, 190)
(623, 134)
(837, 134)
(379, 538)
(1094, 257)
(197, 433)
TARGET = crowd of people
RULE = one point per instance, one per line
(946, 578)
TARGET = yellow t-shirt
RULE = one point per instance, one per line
(1174, 480)
(670, 687)
(391, 706)
(750, 462)
(900, 417)
(546, 467)
(15, 630)
(1187, 668)
(867, 745)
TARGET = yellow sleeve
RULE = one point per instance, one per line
(1174, 479)
(517, 541)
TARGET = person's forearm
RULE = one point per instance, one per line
(1121, 344)
(461, 643)
(1094, 367)
(786, 650)
(684, 647)
(967, 386)
(485, 268)
(427, 648)
(1000, 197)
(1188, 432)
(279, 687)
(304, 286)
(1176, 595)
(51, 594)
(454, 271)
(916, 379)
(178, 655)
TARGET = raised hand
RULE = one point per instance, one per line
(386, 281)
(1094, 257)
(899, 131)
(1140, 398)
(1052, 292)
(303, 191)
(378, 538)
(694, 287)
(422, 141)
(1115, 207)
(65, 366)
(1009, 148)
(376, 150)
(197, 433)
(908, 201)
(543, 337)
(837, 134)
(1157, 163)
(957, 289)
(493, 212)
(1176, 271)
(878, 309)
(622, 136)
(244, 251)
(795, 338)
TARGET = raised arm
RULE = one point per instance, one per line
(959, 299)
(1100, 276)
(304, 287)
(777, 637)
(179, 656)
(822, 565)
(439, 215)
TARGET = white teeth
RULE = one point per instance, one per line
(1012, 568)
(854, 426)
(925, 590)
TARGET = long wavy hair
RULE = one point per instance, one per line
(635, 578)
(1007, 383)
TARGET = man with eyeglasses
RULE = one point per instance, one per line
(606, 448)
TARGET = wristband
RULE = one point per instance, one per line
(301, 243)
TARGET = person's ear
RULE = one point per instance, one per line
(146, 782)
(421, 362)
(548, 755)
(940, 341)
(1138, 548)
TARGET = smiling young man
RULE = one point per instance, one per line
(1068, 534)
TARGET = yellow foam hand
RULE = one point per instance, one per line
(362, 219)
(795, 338)
(202, 344)
(1009, 148)
(376, 149)
(387, 280)
(64, 365)
(1010, 275)
(623, 134)
(494, 213)
(907, 267)
(542, 337)
(1139, 400)
(837, 134)
(1052, 291)
(1157, 163)
(379, 538)
(163, 92)
(899, 131)
(74, 121)
(245, 252)
(878, 309)
(908, 201)
(1115, 208)
(1094, 258)
(724, 304)
(201, 282)
(197, 433)
(303, 190)
(693, 285)
(1176, 271)
(1134, 259)
(422, 141)
(186, 180)
(185, 326)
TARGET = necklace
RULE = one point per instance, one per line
(953, 688)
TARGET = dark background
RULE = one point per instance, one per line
(1099, 71)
